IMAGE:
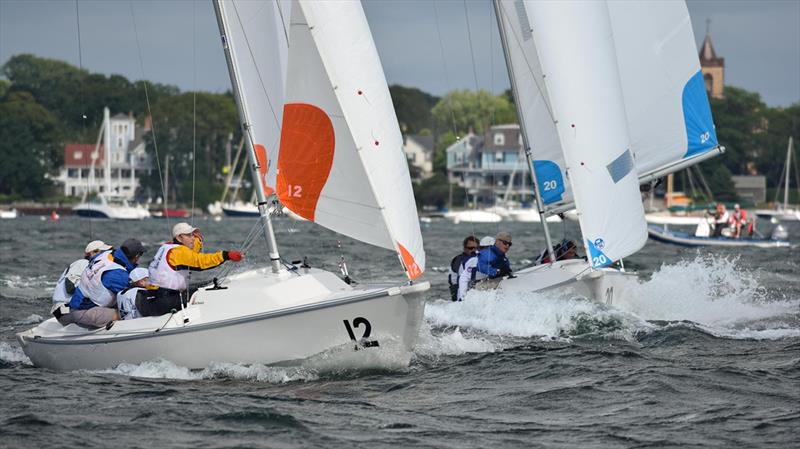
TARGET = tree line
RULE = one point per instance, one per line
(46, 103)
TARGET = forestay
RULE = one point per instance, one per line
(341, 162)
(667, 111)
(257, 36)
(576, 49)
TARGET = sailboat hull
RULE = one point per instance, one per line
(601, 285)
(260, 318)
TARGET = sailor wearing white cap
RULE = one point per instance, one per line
(66, 284)
(126, 299)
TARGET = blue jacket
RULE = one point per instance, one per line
(492, 262)
(114, 280)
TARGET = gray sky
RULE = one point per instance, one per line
(760, 41)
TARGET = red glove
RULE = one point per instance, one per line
(235, 256)
(198, 234)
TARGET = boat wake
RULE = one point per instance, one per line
(715, 296)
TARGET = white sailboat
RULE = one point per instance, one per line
(609, 95)
(107, 204)
(341, 166)
(783, 212)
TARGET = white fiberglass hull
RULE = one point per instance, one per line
(781, 215)
(93, 210)
(260, 318)
(8, 214)
(473, 216)
(530, 216)
(666, 218)
(598, 284)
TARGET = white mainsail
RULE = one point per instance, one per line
(257, 36)
(667, 112)
(341, 162)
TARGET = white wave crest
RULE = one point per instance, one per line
(451, 342)
(13, 354)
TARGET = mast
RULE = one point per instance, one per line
(535, 187)
(107, 143)
(269, 233)
(786, 181)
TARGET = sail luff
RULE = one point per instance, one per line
(229, 45)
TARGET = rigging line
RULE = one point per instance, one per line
(446, 73)
(258, 72)
(471, 50)
(545, 99)
(194, 104)
(283, 20)
(83, 105)
(149, 112)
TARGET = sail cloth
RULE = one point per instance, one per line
(258, 40)
(576, 49)
(341, 162)
(669, 119)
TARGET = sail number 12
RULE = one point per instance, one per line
(363, 341)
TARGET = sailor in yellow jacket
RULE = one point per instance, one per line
(171, 266)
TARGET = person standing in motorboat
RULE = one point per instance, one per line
(470, 274)
(126, 299)
(738, 219)
(721, 218)
(171, 266)
(470, 246)
(65, 287)
(492, 261)
(94, 303)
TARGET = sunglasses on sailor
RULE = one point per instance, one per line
(470, 248)
(506, 242)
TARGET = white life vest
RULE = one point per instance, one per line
(162, 274)
(126, 303)
(468, 277)
(91, 280)
(73, 273)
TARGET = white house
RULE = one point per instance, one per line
(84, 168)
(419, 152)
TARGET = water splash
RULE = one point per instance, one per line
(718, 295)
(13, 354)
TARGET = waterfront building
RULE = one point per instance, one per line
(419, 152)
(85, 164)
(486, 164)
(712, 66)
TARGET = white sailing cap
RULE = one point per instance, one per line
(138, 274)
(486, 241)
(96, 245)
(182, 228)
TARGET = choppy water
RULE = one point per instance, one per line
(703, 352)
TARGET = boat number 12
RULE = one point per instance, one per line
(295, 191)
(363, 341)
(550, 185)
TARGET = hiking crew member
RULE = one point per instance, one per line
(94, 302)
(470, 275)
(492, 261)
(68, 282)
(170, 269)
(126, 299)
(470, 246)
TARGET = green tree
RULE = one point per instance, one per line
(413, 108)
(30, 146)
(435, 191)
(462, 110)
(175, 124)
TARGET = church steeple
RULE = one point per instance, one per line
(713, 67)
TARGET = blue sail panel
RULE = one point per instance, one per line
(549, 181)
(596, 256)
(700, 133)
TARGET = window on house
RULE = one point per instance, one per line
(77, 155)
(499, 156)
(499, 139)
(72, 173)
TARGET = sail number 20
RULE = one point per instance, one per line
(550, 185)
(295, 191)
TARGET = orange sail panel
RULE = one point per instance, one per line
(306, 157)
(261, 155)
(413, 270)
